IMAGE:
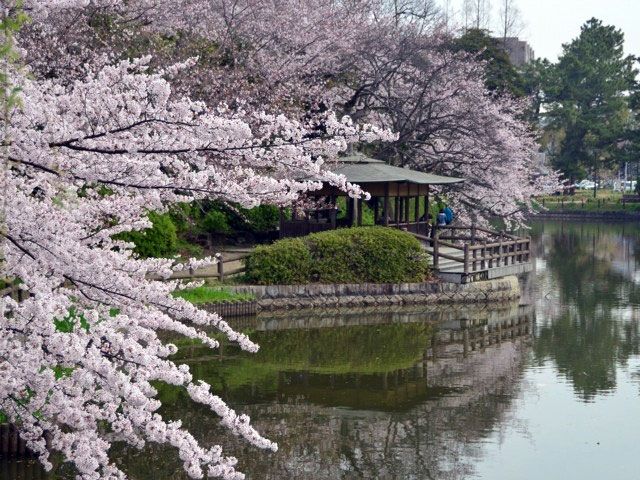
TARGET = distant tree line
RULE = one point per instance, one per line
(586, 105)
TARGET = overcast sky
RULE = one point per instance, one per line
(550, 23)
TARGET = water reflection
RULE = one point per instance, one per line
(589, 302)
(439, 393)
(407, 399)
(358, 394)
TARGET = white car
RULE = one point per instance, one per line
(586, 185)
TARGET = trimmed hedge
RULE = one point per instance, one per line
(353, 255)
(284, 262)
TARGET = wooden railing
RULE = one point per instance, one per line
(477, 249)
(229, 264)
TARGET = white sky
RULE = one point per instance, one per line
(550, 23)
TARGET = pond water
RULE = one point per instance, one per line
(546, 390)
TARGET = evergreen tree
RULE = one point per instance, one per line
(587, 96)
(501, 75)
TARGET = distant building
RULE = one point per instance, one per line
(520, 52)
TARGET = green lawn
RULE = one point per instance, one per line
(206, 294)
(605, 201)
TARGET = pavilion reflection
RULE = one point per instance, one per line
(424, 417)
(455, 357)
(400, 393)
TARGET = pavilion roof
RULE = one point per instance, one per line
(361, 169)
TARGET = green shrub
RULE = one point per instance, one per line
(216, 222)
(161, 240)
(284, 262)
(264, 218)
(354, 255)
(185, 216)
(374, 254)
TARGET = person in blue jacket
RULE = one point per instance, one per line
(448, 215)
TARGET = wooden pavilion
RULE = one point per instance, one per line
(395, 198)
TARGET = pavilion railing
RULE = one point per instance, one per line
(476, 249)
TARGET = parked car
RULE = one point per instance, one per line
(586, 185)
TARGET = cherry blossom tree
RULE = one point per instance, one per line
(254, 53)
(402, 75)
(127, 106)
(448, 123)
(87, 152)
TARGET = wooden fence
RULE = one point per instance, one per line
(230, 264)
(476, 249)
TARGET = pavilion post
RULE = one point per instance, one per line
(426, 208)
(416, 212)
(385, 220)
(406, 208)
(281, 222)
(359, 211)
(397, 212)
(376, 210)
(333, 214)
(350, 211)
(307, 222)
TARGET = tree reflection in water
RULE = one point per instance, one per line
(365, 394)
(421, 393)
(592, 323)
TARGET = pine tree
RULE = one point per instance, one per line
(588, 100)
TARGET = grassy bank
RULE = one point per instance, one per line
(208, 294)
(605, 201)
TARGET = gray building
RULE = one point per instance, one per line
(520, 52)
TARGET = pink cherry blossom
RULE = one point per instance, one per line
(110, 127)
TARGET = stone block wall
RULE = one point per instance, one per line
(274, 297)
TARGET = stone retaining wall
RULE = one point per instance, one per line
(233, 309)
(274, 297)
